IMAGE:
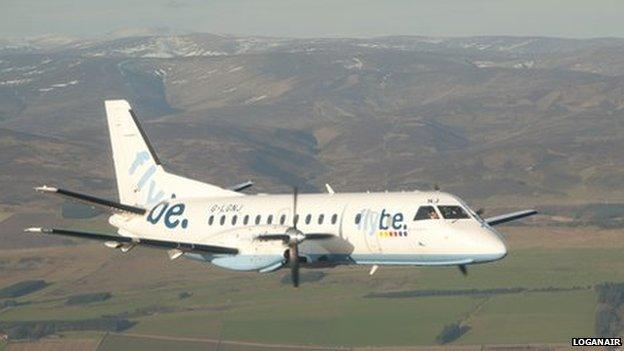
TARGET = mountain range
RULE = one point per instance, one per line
(501, 121)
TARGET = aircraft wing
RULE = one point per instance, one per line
(509, 217)
(120, 240)
(287, 238)
(92, 200)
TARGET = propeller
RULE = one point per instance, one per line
(293, 237)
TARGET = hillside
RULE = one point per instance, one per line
(499, 120)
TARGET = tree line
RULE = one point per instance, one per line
(609, 322)
(39, 329)
(460, 292)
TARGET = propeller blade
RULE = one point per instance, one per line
(295, 193)
(463, 269)
(294, 264)
(318, 236)
(269, 237)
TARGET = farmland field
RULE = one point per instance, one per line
(555, 268)
(533, 318)
(54, 345)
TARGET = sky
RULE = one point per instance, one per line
(317, 18)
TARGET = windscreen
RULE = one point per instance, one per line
(426, 212)
(453, 212)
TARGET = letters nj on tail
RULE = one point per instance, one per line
(141, 179)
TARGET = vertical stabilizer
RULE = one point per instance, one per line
(141, 180)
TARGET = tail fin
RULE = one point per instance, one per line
(141, 179)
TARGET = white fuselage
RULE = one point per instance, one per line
(369, 228)
(262, 233)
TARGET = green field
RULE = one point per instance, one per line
(116, 342)
(335, 311)
(346, 321)
(129, 343)
(533, 318)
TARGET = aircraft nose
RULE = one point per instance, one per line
(495, 246)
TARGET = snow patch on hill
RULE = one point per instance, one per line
(16, 81)
(255, 99)
(58, 85)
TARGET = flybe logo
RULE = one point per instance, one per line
(383, 224)
(154, 195)
(172, 217)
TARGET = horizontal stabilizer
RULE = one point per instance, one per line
(92, 200)
(509, 217)
(109, 239)
(242, 186)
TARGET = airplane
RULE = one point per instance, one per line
(265, 233)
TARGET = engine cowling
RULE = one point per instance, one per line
(264, 263)
(254, 255)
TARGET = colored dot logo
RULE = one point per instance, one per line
(391, 233)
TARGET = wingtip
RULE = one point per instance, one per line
(117, 104)
(46, 189)
(33, 230)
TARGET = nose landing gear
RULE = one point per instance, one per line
(463, 269)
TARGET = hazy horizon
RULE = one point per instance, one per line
(324, 18)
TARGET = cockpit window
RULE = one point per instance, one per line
(453, 212)
(426, 212)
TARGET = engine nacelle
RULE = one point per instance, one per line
(254, 255)
(263, 263)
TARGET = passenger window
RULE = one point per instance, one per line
(222, 220)
(234, 218)
(334, 218)
(270, 219)
(426, 212)
(258, 218)
(321, 218)
(453, 212)
(358, 217)
(283, 219)
(308, 219)
(246, 219)
(210, 219)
